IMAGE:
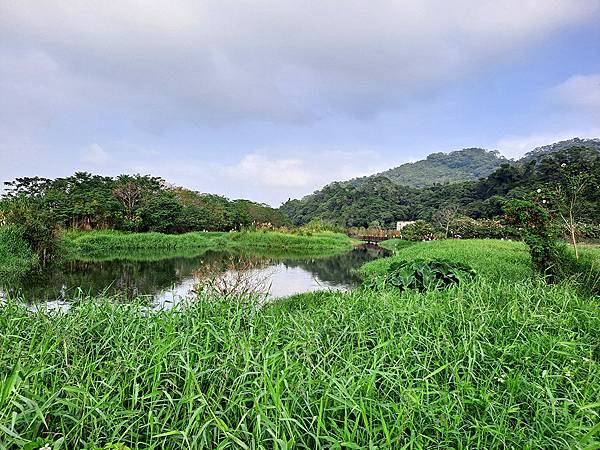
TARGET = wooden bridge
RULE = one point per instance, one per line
(374, 236)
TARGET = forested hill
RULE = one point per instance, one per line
(378, 201)
(538, 152)
(461, 165)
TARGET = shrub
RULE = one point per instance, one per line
(36, 225)
(539, 233)
(16, 256)
(320, 226)
(468, 228)
(419, 231)
(588, 230)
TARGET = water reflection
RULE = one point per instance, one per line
(166, 280)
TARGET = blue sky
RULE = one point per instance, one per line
(269, 100)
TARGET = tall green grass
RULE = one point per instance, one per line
(395, 244)
(103, 244)
(493, 259)
(488, 365)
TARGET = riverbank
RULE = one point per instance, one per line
(16, 258)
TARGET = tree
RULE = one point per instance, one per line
(34, 223)
(445, 216)
(569, 191)
(161, 213)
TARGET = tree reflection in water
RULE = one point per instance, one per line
(132, 276)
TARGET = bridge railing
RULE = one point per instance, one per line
(374, 233)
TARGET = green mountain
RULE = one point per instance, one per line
(461, 165)
(537, 153)
(377, 200)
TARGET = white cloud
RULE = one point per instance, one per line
(265, 176)
(95, 155)
(579, 91)
(220, 60)
(258, 169)
(304, 173)
(517, 146)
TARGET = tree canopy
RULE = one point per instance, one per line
(132, 202)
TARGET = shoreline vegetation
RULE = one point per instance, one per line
(502, 361)
(16, 258)
(85, 244)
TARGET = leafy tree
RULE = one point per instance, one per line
(161, 213)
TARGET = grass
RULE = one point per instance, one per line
(493, 259)
(395, 244)
(491, 365)
(505, 361)
(104, 244)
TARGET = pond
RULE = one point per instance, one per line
(165, 281)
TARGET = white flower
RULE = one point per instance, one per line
(46, 447)
(539, 190)
(544, 201)
(563, 165)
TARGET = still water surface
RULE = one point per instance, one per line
(169, 280)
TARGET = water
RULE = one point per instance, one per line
(166, 281)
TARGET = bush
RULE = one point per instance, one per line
(320, 226)
(419, 231)
(35, 225)
(468, 228)
(539, 233)
(583, 272)
(588, 230)
(16, 256)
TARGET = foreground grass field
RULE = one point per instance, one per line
(487, 366)
(505, 361)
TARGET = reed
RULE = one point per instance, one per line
(484, 365)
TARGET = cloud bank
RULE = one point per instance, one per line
(80, 82)
(220, 60)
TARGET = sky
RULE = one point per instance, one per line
(271, 99)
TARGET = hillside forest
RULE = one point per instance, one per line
(556, 177)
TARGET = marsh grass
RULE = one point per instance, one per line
(486, 365)
(105, 244)
(491, 258)
(504, 361)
